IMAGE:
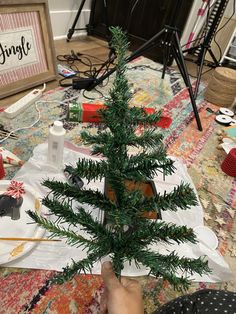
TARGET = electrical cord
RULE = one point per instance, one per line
(39, 115)
(194, 76)
(25, 127)
(81, 79)
(73, 57)
(92, 98)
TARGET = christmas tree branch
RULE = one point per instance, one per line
(139, 116)
(149, 139)
(81, 217)
(91, 197)
(83, 266)
(167, 232)
(72, 237)
(182, 197)
(135, 116)
(173, 262)
(98, 139)
(167, 266)
(89, 169)
(145, 166)
(63, 211)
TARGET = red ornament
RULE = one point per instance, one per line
(229, 163)
(16, 189)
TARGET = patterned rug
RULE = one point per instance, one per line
(27, 291)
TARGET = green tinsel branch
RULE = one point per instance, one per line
(148, 139)
(172, 262)
(139, 116)
(99, 139)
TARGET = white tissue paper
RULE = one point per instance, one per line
(56, 255)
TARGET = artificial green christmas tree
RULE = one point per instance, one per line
(127, 235)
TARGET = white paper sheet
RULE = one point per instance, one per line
(56, 255)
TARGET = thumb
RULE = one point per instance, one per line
(109, 277)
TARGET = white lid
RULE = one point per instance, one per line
(57, 126)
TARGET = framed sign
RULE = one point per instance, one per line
(27, 56)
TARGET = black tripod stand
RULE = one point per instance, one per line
(169, 39)
(73, 27)
(88, 27)
(205, 46)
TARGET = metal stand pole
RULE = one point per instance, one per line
(88, 27)
(205, 46)
(72, 29)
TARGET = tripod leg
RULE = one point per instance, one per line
(108, 35)
(199, 74)
(165, 60)
(179, 58)
(147, 45)
(72, 29)
(213, 57)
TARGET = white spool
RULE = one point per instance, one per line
(223, 119)
(226, 112)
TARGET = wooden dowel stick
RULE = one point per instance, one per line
(29, 239)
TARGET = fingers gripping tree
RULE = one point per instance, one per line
(127, 236)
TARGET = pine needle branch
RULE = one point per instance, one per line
(62, 210)
(83, 266)
(147, 165)
(139, 116)
(91, 197)
(99, 139)
(149, 139)
(72, 237)
(166, 232)
(135, 117)
(89, 169)
(81, 217)
(182, 197)
(167, 266)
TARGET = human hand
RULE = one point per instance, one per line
(120, 297)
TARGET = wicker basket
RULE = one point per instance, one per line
(221, 90)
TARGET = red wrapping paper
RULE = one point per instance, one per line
(89, 113)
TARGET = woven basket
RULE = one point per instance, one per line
(221, 90)
(225, 74)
